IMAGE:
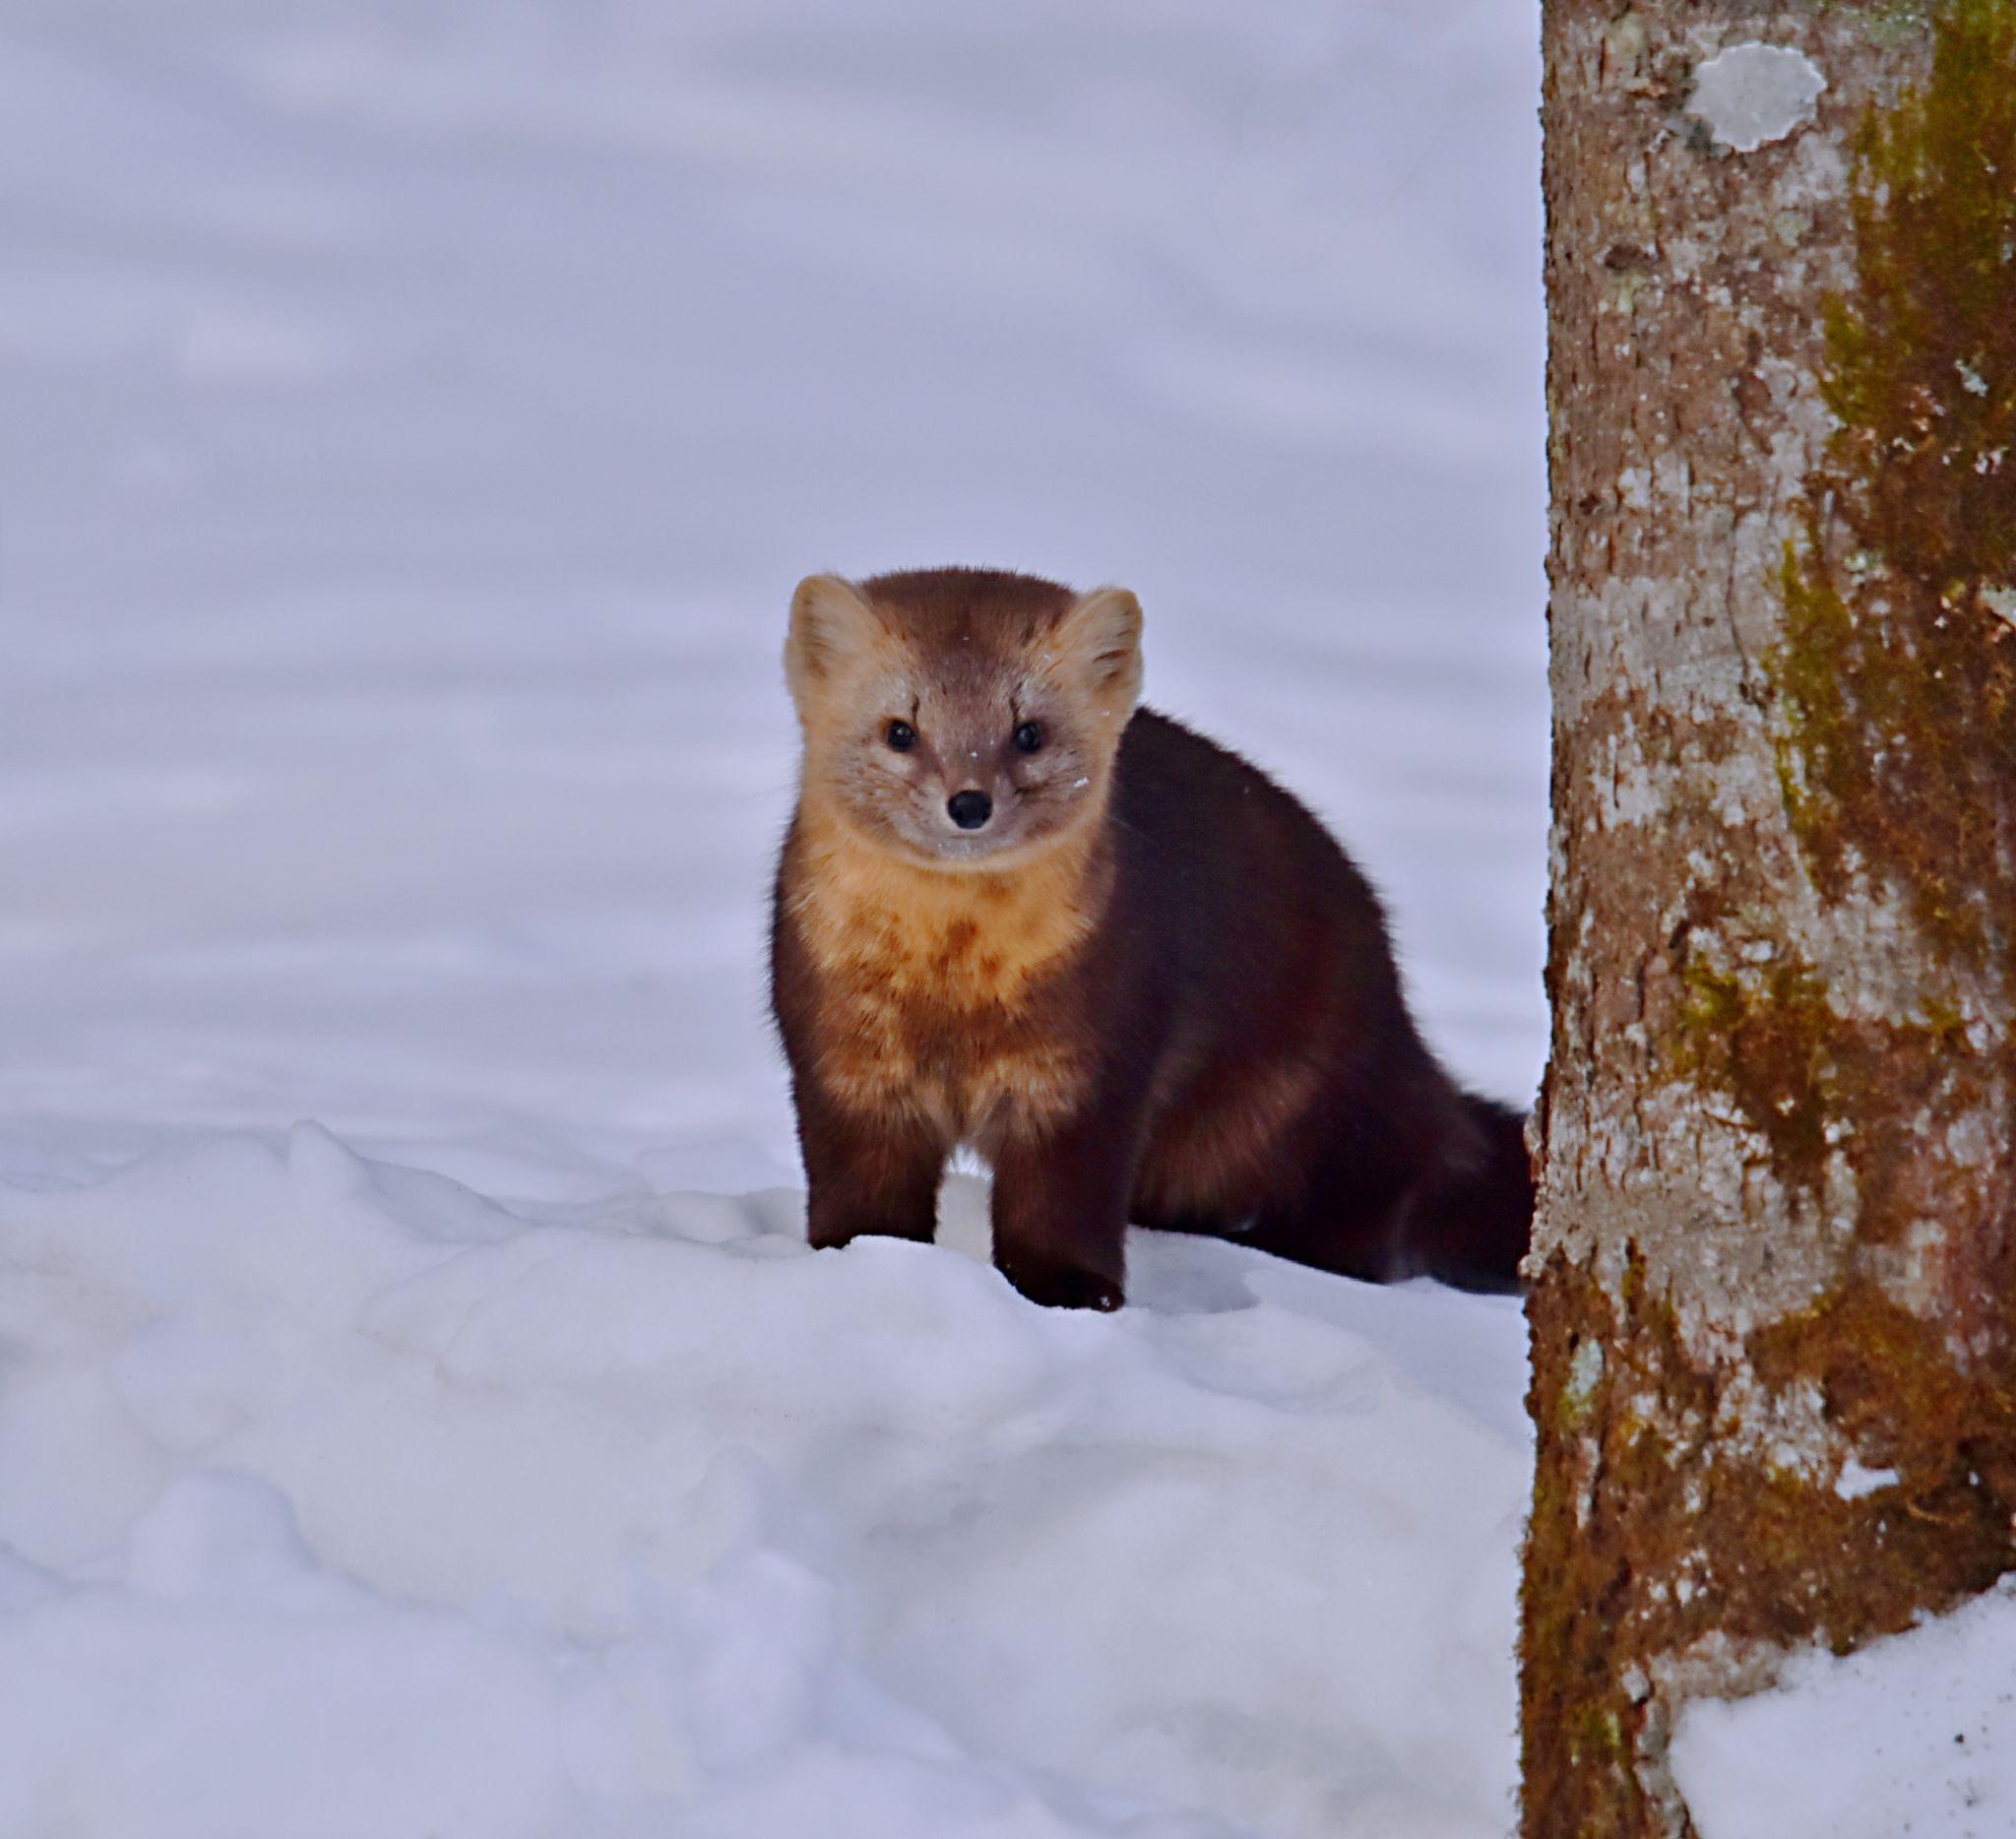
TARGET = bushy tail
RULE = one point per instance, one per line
(1472, 1231)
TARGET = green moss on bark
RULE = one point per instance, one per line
(1651, 1533)
(1897, 675)
(1819, 1087)
(1894, 1389)
(1767, 1038)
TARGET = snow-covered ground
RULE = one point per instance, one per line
(1913, 1735)
(348, 1502)
(417, 1414)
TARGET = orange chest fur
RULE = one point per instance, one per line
(940, 993)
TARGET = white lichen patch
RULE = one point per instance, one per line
(2002, 601)
(1874, 968)
(1816, 174)
(1855, 1482)
(1753, 93)
(1742, 787)
(1627, 790)
(1585, 1372)
(1716, 1665)
(1914, 1275)
(1974, 1140)
(1722, 1278)
(1790, 385)
(1785, 1431)
(1625, 44)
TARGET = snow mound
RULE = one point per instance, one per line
(336, 1499)
(1913, 1734)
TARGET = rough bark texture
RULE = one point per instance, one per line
(1775, 1264)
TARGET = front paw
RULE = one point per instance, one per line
(1062, 1285)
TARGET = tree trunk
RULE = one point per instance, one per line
(1774, 1307)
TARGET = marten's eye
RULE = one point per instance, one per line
(1027, 737)
(901, 736)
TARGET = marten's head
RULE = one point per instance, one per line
(962, 717)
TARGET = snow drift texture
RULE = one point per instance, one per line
(347, 1502)
(416, 420)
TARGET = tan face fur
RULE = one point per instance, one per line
(963, 668)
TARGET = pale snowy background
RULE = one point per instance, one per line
(413, 419)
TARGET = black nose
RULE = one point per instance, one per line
(970, 809)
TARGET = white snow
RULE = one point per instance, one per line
(1913, 1734)
(341, 1501)
(1752, 93)
(416, 420)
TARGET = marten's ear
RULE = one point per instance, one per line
(830, 623)
(1100, 640)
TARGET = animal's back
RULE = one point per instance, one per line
(1299, 1106)
(1240, 880)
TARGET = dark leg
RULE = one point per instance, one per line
(1060, 1211)
(868, 1174)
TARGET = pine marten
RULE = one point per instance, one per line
(1013, 911)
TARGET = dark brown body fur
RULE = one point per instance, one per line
(1215, 1039)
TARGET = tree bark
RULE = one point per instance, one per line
(1774, 1275)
